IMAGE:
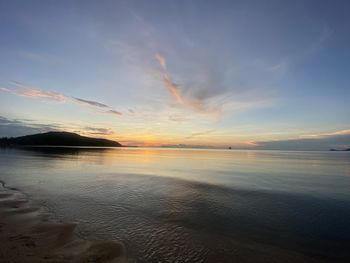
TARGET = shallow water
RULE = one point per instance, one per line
(184, 205)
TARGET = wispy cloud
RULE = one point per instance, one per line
(196, 104)
(172, 87)
(35, 93)
(114, 112)
(131, 112)
(90, 103)
(5, 89)
(23, 90)
(26, 91)
(20, 127)
(196, 134)
(323, 141)
(208, 90)
(324, 135)
(97, 131)
(161, 60)
(16, 127)
(178, 118)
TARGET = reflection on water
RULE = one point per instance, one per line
(175, 205)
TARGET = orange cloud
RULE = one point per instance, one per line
(169, 84)
(36, 93)
(161, 60)
(173, 89)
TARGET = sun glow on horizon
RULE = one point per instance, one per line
(218, 75)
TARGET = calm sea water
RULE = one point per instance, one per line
(184, 205)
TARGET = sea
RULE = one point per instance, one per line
(194, 205)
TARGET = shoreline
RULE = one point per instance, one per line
(28, 236)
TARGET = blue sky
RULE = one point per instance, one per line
(213, 73)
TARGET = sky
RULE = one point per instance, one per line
(244, 74)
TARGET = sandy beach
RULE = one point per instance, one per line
(26, 235)
(75, 205)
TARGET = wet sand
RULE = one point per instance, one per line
(184, 205)
(26, 236)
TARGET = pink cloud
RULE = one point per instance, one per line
(31, 92)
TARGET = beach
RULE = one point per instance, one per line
(104, 205)
(28, 235)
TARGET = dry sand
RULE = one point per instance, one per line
(26, 236)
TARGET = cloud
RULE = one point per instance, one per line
(196, 134)
(131, 112)
(114, 112)
(325, 135)
(338, 140)
(178, 118)
(28, 91)
(90, 103)
(97, 131)
(20, 89)
(20, 127)
(5, 121)
(35, 93)
(161, 60)
(15, 127)
(5, 89)
(197, 104)
(209, 90)
(173, 89)
(190, 146)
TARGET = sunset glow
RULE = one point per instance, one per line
(151, 73)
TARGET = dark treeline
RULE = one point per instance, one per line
(57, 139)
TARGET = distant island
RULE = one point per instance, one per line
(57, 139)
(337, 150)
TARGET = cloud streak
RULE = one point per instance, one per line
(195, 104)
(90, 103)
(15, 127)
(32, 92)
(172, 87)
(35, 93)
(96, 131)
(114, 112)
(338, 140)
(161, 60)
(196, 134)
(20, 127)
(325, 135)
